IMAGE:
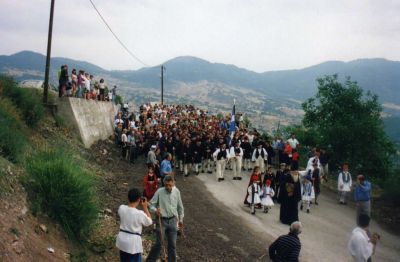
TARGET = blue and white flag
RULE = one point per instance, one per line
(232, 127)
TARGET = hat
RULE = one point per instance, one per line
(254, 178)
(153, 147)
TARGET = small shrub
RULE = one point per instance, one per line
(59, 120)
(12, 140)
(27, 100)
(391, 191)
(59, 187)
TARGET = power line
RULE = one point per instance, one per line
(116, 37)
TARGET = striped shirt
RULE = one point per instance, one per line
(285, 249)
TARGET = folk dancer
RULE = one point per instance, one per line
(344, 184)
(236, 153)
(254, 192)
(197, 152)
(221, 156)
(260, 155)
(307, 193)
(267, 195)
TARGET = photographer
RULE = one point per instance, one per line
(129, 240)
(362, 244)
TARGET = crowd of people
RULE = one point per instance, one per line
(192, 141)
(81, 84)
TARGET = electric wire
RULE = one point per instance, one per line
(116, 37)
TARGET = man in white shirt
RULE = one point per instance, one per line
(361, 245)
(129, 240)
(293, 141)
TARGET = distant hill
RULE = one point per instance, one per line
(268, 98)
(380, 76)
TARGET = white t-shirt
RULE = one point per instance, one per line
(293, 142)
(132, 220)
(359, 245)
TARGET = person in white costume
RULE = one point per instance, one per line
(254, 192)
(236, 154)
(344, 184)
(260, 155)
(221, 156)
(267, 195)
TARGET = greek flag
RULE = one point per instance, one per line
(232, 127)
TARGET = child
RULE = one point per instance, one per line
(150, 184)
(254, 191)
(295, 160)
(266, 196)
(307, 195)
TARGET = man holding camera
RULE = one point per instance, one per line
(167, 204)
(129, 240)
(362, 243)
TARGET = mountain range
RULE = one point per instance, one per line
(271, 97)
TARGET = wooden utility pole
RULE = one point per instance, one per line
(162, 84)
(47, 71)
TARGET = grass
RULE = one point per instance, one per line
(58, 186)
(12, 139)
(28, 101)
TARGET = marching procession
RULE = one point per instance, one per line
(181, 141)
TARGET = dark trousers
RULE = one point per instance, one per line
(126, 257)
(170, 232)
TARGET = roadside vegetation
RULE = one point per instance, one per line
(58, 185)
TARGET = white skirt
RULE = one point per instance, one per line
(267, 201)
(257, 199)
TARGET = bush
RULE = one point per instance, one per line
(12, 139)
(59, 187)
(391, 191)
(27, 100)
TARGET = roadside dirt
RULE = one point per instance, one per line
(211, 233)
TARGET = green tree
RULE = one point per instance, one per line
(348, 123)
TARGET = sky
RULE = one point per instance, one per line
(259, 35)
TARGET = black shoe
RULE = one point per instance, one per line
(253, 213)
(234, 178)
(239, 178)
(301, 207)
(210, 172)
(197, 173)
(186, 175)
(219, 179)
(222, 178)
(308, 210)
(316, 203)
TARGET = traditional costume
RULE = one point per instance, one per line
(236, 153)
(254, 192)
(267, 195)
(307, 194)
(344, 186)
(259, 157)
(221, 156)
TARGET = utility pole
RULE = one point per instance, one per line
(47, 71)
(162, 84)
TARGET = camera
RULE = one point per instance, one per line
(143, 199)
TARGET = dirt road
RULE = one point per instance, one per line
(326, 229)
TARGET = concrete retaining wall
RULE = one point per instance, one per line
(92, 120)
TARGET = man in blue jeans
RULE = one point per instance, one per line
(362, 196)
(167, 204)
